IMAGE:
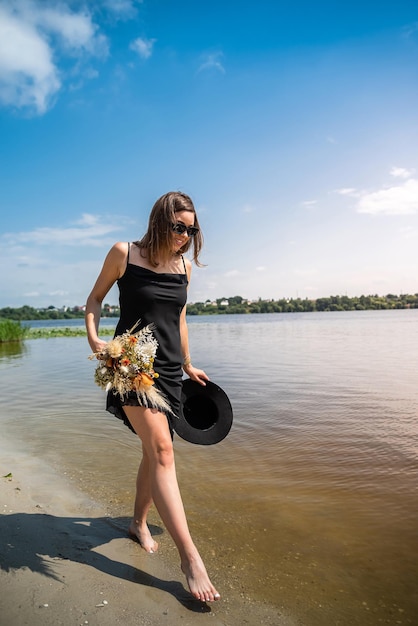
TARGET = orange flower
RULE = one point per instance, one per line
(143, 379)
(147, 379)
(125, 362)
(133, 339)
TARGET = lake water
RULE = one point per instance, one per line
(310, 504)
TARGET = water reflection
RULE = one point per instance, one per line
(12, 350)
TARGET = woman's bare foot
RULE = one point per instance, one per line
(142, 534)
(198, 580)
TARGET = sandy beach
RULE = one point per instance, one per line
(65, 561)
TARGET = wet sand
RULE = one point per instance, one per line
(65, 561)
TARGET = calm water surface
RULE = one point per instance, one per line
(310, 504)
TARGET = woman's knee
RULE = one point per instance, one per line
(162, 452)
(154, 432)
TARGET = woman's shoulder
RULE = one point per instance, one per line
(120, 247)
(117, 254)
(119, 251)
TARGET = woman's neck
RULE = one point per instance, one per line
(171, 265)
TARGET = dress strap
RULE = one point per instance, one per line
(129, 249)
(184, 264)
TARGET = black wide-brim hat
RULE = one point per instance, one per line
(207, 413)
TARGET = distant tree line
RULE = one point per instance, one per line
(50, 313)
(236, 304)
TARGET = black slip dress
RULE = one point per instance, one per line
(158, 299)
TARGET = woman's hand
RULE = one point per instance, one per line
(196, 374)
(98, 345)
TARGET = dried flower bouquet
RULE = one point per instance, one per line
(126, 364)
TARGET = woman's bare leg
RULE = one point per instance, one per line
(152, 428)
(143, 501)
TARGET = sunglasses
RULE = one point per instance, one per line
(180, 229)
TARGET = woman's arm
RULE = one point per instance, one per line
(113, 268)
(191, 371)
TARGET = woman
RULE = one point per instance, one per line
(153, 276)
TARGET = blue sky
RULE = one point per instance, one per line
(293, 126)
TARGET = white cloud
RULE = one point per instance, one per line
(124, 9)
(260, 268)
(231, 274)
(81, 75)
(143, 47)
(31, 36)
(75, 30)
(401, 172)
(58, 292)
(212, 61)
(347, 191)
(45, 261)
(87, 219)
(308, 204)
(90, 230)
(28, 76)
(398, 200)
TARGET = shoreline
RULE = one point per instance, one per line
(65, 560)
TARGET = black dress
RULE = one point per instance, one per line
(158, 299)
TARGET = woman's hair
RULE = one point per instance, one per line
(158, 240)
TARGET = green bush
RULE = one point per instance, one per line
(12, 331)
